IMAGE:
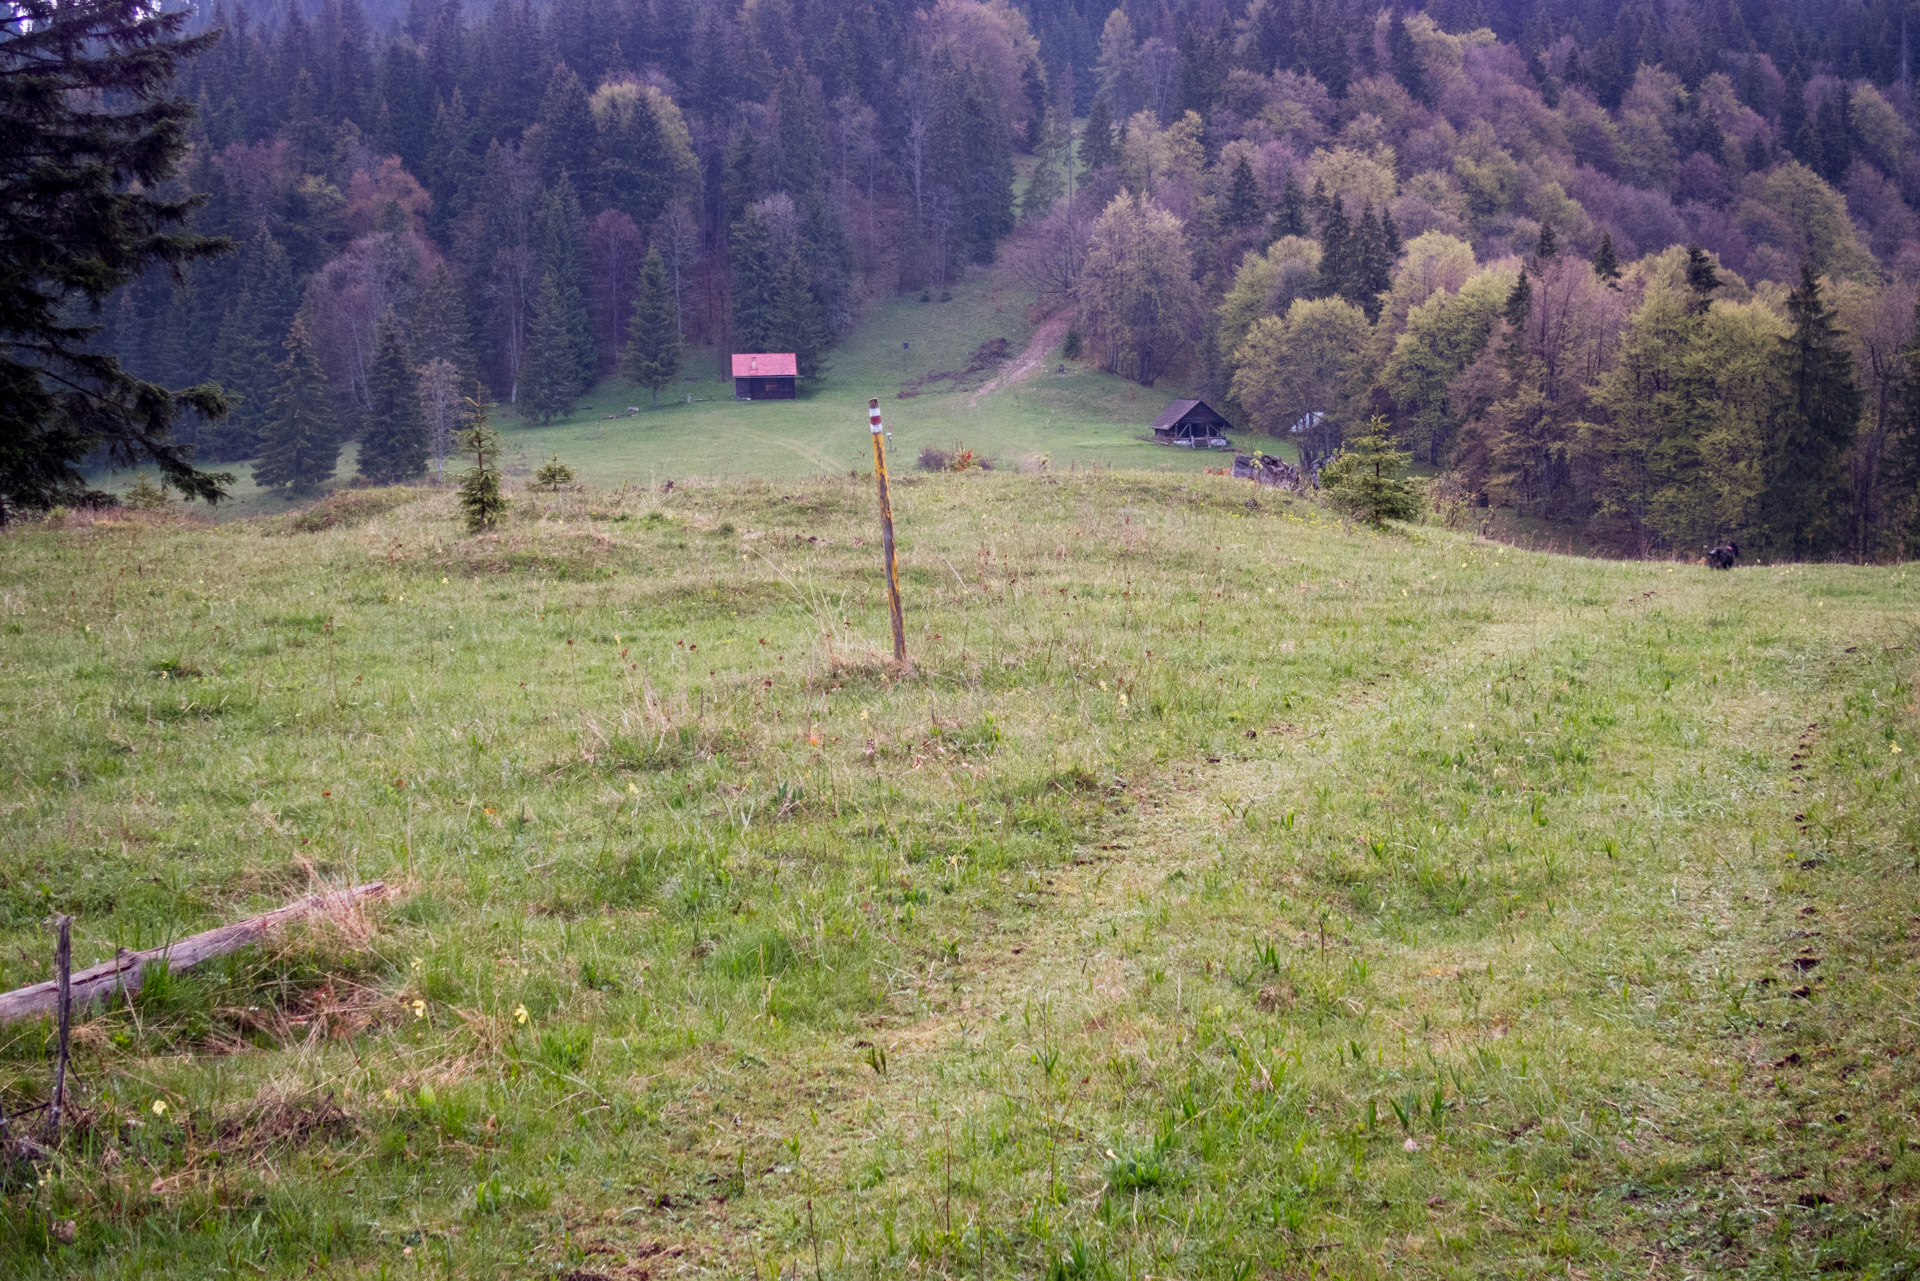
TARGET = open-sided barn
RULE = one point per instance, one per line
(1191, 424)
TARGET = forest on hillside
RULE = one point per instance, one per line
(1646, 269)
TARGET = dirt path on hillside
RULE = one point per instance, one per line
(1050, 332)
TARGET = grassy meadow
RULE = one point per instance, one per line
(1225, 892)
(1082, 418)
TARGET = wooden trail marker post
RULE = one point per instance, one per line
(886, 533)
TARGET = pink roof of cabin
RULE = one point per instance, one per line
(764, 364)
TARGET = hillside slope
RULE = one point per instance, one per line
(1012, 410)
(1224, 893)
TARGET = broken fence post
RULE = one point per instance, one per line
(63, 965)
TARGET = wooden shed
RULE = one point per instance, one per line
(1191, 424)
(764, 375)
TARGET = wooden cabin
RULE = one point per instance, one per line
(1191, 424)
(764, 375)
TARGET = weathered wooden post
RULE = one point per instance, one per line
(63, 1014)
(886, 533)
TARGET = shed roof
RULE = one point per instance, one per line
(765, 364)
(1180, 409)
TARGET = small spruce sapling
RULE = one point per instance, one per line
(481, 501)
(553, 475)
(1367, 479)
(145, 496)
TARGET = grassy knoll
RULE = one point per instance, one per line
(1225, 894)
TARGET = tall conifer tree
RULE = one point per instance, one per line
(1243, 196)
(393, 447)
(1097, 147)
(92, 136)
(550, 377)
(1903, 468)
(1804, 497)
(652, 357)
(799, 321)
(755, 283)
(561, 246)
(1606, 261)
(250, 338)
(636, 173)
(299, 449)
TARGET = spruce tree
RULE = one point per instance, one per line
(1518, 310)
(549, 373)
(1830, 152)
(1547, 247)
(298, 447)
(1794, 128)
(92, 138)
(453, 164)
(393, 446)
(742, 182)
(1097, 147)
(636, 172)
(1043, 189)
(800, 322)
(1243, 196)
(1404, 60)
(1337, 274)
(755, 283)
(652, 357)
(985, 181)
(1804, 485)
(1903, 465)
(566, 133)
(560, 246)
(1370, 265)
(251, 335)
(441, 329)
(1702, 280)
(1367, 478)
(1291, 218)
(1606, 263)
(481, 503)
(800, 153)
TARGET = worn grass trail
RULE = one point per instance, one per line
(1227, 894)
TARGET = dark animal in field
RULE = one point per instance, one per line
(1723, 556)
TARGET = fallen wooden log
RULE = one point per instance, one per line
(122, 974)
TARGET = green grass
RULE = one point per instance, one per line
(1072, 421)
(1225, 893)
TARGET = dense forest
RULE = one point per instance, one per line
(1648, 269)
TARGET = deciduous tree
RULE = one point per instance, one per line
(1301, 374)
(1138, 300)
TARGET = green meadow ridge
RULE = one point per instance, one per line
(1229, 892)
